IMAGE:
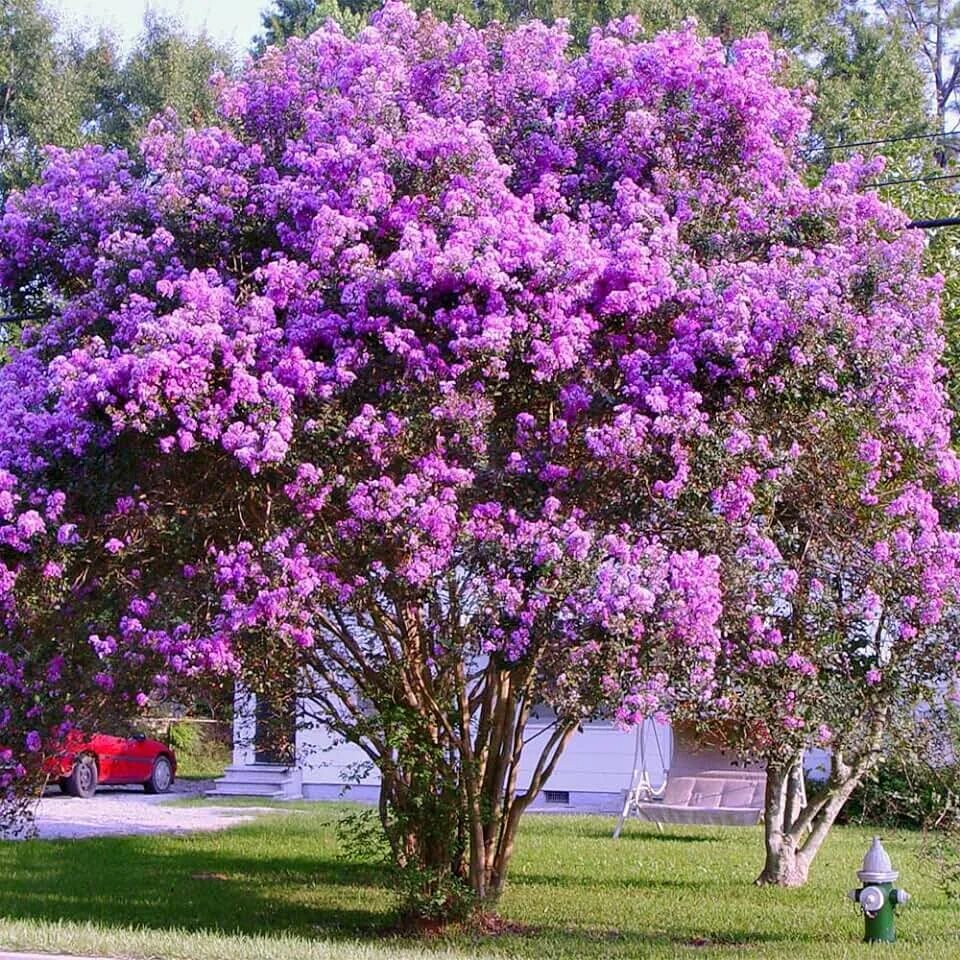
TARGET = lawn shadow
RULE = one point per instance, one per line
(188, 883)
(571, 941)
(615, 883)
(597, 828)
(637, 835)
(287, 875)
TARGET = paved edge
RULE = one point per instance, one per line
(48, 956)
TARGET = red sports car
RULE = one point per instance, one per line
(84, 762)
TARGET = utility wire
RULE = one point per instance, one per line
(882, 140)
(924, 179)
(933, 224)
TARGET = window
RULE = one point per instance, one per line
(557, 796)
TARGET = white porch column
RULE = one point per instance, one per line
(244, 726)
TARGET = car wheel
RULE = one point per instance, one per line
(82, 781)
(161, 777)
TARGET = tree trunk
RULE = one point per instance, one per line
(450, 804)
(796, 826)
(785, 865)
(448, 741)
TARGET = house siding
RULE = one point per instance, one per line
(594, 770)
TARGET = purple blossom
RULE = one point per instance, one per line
(441, 318)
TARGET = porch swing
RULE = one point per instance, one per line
(699, 785)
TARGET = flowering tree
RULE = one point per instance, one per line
(839, 578)
(432, 378)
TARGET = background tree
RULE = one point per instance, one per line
(933, 27)
(65, 91)
(42, 93)
(299, 18)
(868, 83)
(166, 69)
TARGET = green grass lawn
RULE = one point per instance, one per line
(206, 765)
(278, 888)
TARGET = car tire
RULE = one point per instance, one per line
(82, 781)
(161, 777)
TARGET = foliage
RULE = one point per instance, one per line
(935, 200)
(907, 791)
(868, 81)
(203, 750)
(933, 27)
(41, 93)
(166, 70)
(457, 376)
(918, 786)
(899, 794)
(183, 736)
(280, 888)
(299, 18)
(426, 897)
(68, 92)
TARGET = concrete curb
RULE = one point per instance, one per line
(47, 956)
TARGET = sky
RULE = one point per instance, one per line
(232, 21)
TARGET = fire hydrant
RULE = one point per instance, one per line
(878, 898)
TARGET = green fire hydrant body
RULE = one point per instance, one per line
(878, 898)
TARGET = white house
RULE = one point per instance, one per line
(592, 776)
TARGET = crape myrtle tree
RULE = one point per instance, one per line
(430, 377)
(839, 578)
(832, 532)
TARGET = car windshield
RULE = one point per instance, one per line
(130, 729)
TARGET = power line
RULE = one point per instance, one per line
(924, 179)
(933, 224)
(882, 140)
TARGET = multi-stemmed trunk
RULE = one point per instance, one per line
(452, 810)
(446, 733)
(796, 826)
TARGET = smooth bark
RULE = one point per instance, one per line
(795, 826)
(447, 740)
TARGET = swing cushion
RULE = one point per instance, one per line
(722, 799)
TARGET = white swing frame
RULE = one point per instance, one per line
(736, 794)
(642, 789)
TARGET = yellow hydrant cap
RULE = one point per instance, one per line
(877, 867)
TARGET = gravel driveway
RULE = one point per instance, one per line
(128, 810)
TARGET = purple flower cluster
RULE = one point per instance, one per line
(439, 305)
